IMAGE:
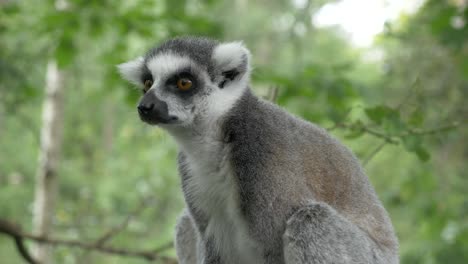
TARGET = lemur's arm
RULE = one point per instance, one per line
(190, 248)
(186, 237)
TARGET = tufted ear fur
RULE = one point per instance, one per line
(132, 70)
(232, 64)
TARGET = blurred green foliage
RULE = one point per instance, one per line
(404, 114)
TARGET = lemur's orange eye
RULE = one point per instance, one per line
(148, 83)
(184, 84)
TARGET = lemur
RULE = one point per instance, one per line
(261, 186)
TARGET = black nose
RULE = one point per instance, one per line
(145, 109)
(154, 111)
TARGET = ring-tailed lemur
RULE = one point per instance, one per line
(261, 186)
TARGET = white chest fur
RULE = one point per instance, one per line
(214, 191)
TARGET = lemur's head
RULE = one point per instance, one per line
(186, 81)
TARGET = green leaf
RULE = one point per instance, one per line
(311, 71)
(414, 143)
(354, 134)
(64, 53)
(464, 67)
(442, 21)
(392, 122)
(416, 118)
(30, 91)
(11, 8)
(422, 153)
(378, 113)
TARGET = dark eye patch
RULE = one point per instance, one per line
(188, 73)
(174, 78)
(146, 75)
(182, 73)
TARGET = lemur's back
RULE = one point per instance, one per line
(301, 162)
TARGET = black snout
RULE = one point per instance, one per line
(154, 111)
(144, 109)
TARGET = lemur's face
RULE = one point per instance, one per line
(175, 90)
(188, 81)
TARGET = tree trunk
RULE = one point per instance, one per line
(51, 141)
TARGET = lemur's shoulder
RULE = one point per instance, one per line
(262, 120)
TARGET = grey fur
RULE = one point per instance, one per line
(311, 229)
(280, 189)
(196, 48)
(186, 243)
(303, 191)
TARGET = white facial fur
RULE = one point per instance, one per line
(166, 64)
(131, 70)
(229, 56)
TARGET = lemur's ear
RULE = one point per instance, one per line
(132, 70)
(232, 63)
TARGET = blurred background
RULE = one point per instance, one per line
(387, 77)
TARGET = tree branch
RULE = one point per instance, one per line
(339, 123)
(15, 232)
(414, 131)
(374, 152)
(117, 229)
(272, 94)
(393, 139)
(396, 138)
